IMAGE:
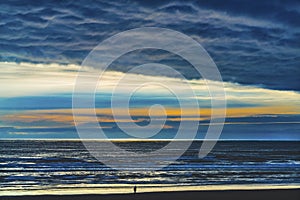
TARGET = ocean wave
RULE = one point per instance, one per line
(72, 164)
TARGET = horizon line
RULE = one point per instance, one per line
(153, 140)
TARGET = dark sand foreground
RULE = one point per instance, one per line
(286, 194)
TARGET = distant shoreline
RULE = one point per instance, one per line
(277, 194)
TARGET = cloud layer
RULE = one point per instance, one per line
(253, 43)
(36, 102)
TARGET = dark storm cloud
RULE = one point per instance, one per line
(252, 42)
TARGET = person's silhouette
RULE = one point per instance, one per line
(134, 189)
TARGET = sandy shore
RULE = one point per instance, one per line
(287, 194)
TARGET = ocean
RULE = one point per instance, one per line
(32, 165)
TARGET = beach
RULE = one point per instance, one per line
(274, 194)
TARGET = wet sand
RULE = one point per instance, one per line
(272, 194)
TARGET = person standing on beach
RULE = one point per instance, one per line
(134, 189)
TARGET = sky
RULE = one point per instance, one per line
(255, 45)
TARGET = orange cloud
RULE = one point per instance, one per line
(65, 116)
